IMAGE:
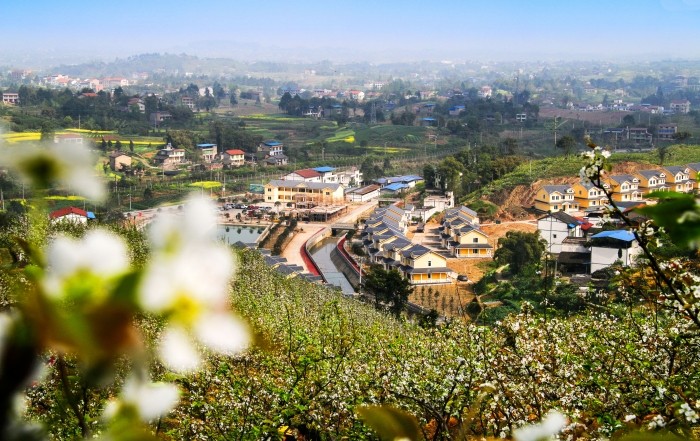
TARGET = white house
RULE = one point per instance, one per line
(557, 226)
(610, 246)
(71, 214)
(363, 194)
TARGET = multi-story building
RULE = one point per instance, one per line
(666, 132)
(639, 135)
(233, 157)
(651, 180)
(386, 244)
(422, 266)
(680, 106)
(271, 152)
(10, 98)
(119, 160)
(552, 198)
(461, 235)
(555, 227)
(207, 151)
(589, 196)
(624, 188)
(169, 156)
(694, 169)
(678, 179)
(308, 194)
(306, 175)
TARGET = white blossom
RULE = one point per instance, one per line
(99, 254)
(150, 400)
(187, 282)
(688, 413)
(657, 422)
(552, 424)
(69, 165)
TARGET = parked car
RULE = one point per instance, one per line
(462, 278)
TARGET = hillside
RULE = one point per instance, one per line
(320, 356)
(516, 190)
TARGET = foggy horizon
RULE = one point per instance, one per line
(507, 30)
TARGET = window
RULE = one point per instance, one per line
(430, 263)
(554, 236)
(328, 193)
(269, 190)
(475, 251)
(476, 240)
(269, 198)
(430, 276)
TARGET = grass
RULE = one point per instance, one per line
(390, 150)
(343, 136)
(206, 184)
(20, 137)
(263, 117)
(560, 166)
(64, 198)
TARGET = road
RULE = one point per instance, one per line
(292, 251)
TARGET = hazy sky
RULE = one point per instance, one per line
(388, 30)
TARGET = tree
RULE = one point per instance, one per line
(519, 249)
(47, 131)
(449, 174)
(509, 146)
(389, 288)
(682, 136)
(567, 144)
(429, 175)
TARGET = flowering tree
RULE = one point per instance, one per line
(77, 316)
(136, 339)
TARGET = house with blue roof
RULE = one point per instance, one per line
(409, 180)
(271, 152)
(208, 151)
(609, 247)
(395, 188)
(456, 110)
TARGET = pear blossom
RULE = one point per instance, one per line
(67, 165)
(149, 400)
(5, 325)
(552, 424)
(99, 254)
(187, 282)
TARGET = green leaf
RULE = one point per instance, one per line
(391, 423)
(678, 214)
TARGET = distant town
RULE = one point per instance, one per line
(402, 160)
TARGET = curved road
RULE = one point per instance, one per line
(291, 251)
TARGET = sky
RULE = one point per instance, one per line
(354, 30)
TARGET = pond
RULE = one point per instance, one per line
(247, 234)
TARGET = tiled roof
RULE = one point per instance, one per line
(66, 211)
(308, 173)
